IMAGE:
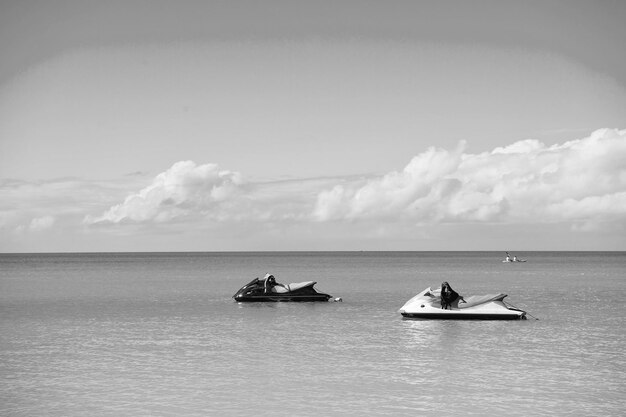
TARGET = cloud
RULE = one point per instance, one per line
(182, 191)
(41, 223)
(34, 206)
(580, 180)
(524, 188)
(205, 194)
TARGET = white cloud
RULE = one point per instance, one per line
(34, 206)
(523, 182)
(581, 181)
(578, 186)
(183, 190)
(41, 223)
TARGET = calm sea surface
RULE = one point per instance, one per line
(159, 335)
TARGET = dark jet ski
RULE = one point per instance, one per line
(267, 289)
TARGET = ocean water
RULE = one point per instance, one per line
(158, 334)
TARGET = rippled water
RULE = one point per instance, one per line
(159, 335)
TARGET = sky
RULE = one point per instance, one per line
(296, 125)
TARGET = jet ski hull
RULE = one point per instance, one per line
(282, 298)
(254, 292)
(453, 316)
(427, 306)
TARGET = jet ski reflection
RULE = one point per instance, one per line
(267, 289)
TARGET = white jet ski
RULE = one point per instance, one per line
(427, 305)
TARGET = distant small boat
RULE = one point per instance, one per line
(508, 259)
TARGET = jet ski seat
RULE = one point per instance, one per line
(475, 300)
(280, 288)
